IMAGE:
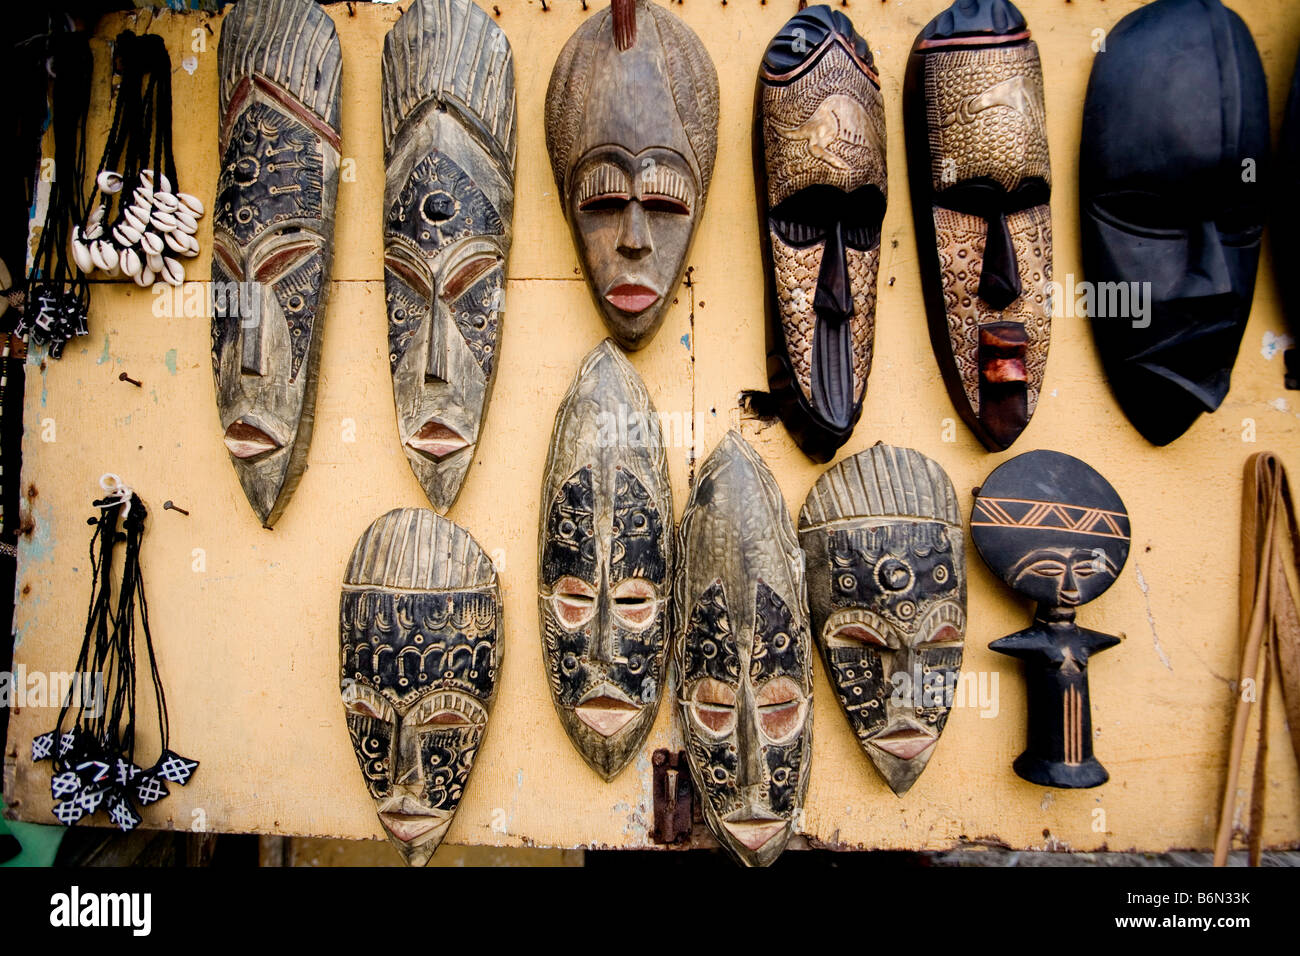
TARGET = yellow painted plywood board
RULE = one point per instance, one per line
(245, 619)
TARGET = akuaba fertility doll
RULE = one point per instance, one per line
(1055, 531)
(819, 167)
(743, 658)
(421, 644)
(1173, 198)
(978, 169)
(632, 129)
(449, 151)
(605, 561)
(887, 593)
(272, 234)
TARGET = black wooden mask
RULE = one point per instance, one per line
(1286, 238)
(1171, 171)
(980, 181)
(819, 166)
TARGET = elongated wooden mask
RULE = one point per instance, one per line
(606, 557)
(980, 180)
(887, 592)
(420, 640)
(632, 129)
(743, 660)
(449, 149)
(819, 156)
(272, 231)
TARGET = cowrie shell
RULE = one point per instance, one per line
(143, 199)
(94, 231)
(126, 235)
(192, 203)
(102, 253)
(152, 242)
(133, 220)
(173, 273)
(185, 222)
(164, 184)
(144, 278)
(163, 221)
(176, 241)
(109, 181)
(165, 201)
(146, 176)
(96, 214)
(154, 261)
(130, 262)
(81, 256)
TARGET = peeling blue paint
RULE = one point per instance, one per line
(170, 360)
(104, 356)
(686, 340)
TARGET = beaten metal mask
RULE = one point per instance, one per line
(980, 181)
(743, 665)
(1175, 138)
(449, 150)
(1055, 531)
(887, 592)
(420, 633)
(273, 226)
(632, 129)
(819, 151)
(606, 557)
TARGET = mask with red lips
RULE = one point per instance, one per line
(449, 138)
(632, 130)
(887, 595)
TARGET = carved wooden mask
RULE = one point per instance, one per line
(420, 633)
(606, 558)
(1055, 531)
(980, 181)
(449, 149)
(819, 155)
(273, 226)
(632, 129)
(743, 661)
(1173, 198)
(887, 592)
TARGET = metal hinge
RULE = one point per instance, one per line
(674, 797)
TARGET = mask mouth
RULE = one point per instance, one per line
(606, 709)
(436, 441)
(247, 440)
(632, 297)
(904, 740)
(409, 822)
(753, 829)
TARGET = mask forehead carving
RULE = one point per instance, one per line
(887, 595)
(273, 228)
(632, 131)
(820, 172)
(980, 179)
(744, 674)
(1173, 175)
(1054, 530)
(605, 561)
(449, 151)
(419, 630)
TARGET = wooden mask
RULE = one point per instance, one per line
(272, 233)
(605, 561)
(980, 181)
(819, 165)
(1054, 531)
(420, 634)
(887, 592)
(449, 150)
(743, 660)
(1286, 211)
(1173, 164)
(632, 129)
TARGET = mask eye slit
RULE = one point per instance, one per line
(466, 275)
(604, 186)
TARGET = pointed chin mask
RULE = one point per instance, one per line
(273, 226)
(887, 595)
(820, 175)
(1173, 202)
(449, 148)
(632, 129)
(980, 182)
(419, 627)
(606, 544)
(744, 674)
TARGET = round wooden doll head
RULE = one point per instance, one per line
(1052, 528)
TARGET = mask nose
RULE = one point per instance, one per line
(834, 297)
(749, 773)
(634, 232)
(1207, 272)
(999, 273)
(602, 637)
(435, 364)
(252, 334)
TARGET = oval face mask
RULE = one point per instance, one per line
(743, 660)
(980, 181)
(605, 561)
(273, 228)
(420, 639)
(632, 129)
(1173, 198)
(887, 593)
(819, 156)
(449, 150)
